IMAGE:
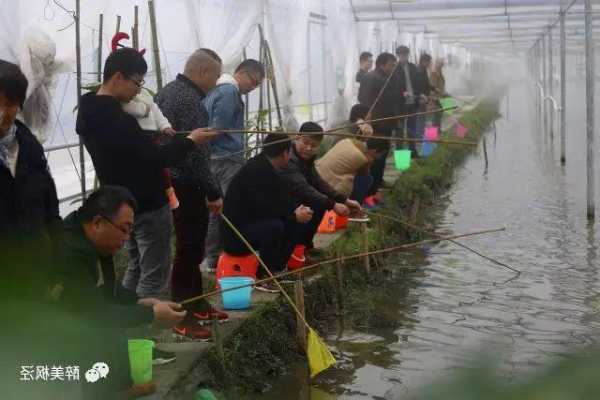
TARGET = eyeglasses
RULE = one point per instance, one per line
(255, 82)
(124, 231)
(137, 83)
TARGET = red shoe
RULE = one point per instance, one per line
(370, 202)
(194, 331)
(205, 318)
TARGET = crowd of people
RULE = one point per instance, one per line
(154, 181)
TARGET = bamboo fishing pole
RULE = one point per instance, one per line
(342, 259)
(464, 246)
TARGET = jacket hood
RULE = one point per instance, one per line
(227, 78)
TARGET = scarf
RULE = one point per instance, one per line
(6, 142)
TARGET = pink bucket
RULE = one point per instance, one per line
(432, 133)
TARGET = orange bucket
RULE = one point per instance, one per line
(297, 260)
(341, 222)
(229, 265)
(327, 223)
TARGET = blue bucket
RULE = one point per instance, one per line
(238, 299)
(428, 148)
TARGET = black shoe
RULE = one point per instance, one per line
(161, 357)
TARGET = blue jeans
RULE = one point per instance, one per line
(149, 251)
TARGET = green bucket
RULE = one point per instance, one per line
(402, 159)
(448, 102)
(140, 360)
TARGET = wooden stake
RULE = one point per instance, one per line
(218, 338)
(339, 275)
(300, 325)
(153, 28)
(366, 260)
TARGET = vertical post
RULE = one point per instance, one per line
(118, 24)
(551, 81)
(589, 77)
(100, 25)
(136, 28)
(309, 65)
(563, 90)
(367, 259)
(544, 81)
(153, 28)
(299, 300)
(218, 338)
(78, 63)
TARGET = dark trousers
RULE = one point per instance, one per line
(269, 237)
(378, 167)
(410, 124)
(191, 224)
(362, 184)
(303, 233)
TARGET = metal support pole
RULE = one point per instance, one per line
(118, 24)
(100, 25)
(563, 89)
(135, 37)
(551, 81)
(589, 77)
(153, 28)
(78, 64)
(544, 81)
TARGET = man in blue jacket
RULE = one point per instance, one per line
(226, 112)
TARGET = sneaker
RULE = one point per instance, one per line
(193, 331)
(205, 318)
(162, 357)
(267, 287)
(173, 200)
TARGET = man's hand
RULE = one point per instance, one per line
(353, 205)
(169, 131)
(166, 314)
(202, 135)
(216, 206)
(365, 128)
(341, 209)
(303, 214)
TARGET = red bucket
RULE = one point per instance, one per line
(229, 265)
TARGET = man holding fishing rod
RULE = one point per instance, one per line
(260, 206)
(226, 112)
(123, 154)
(378, 92)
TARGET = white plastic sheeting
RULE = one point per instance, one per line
(315, 46)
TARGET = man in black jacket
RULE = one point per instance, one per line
(378, 92)
(259, 205)
(308, 188)
(28, 201)
(98, 230)
(408, 92)
(198, 191)
(124, 155)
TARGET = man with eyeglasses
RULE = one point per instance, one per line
(97, 230)
(226, 112)
(123, 154)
